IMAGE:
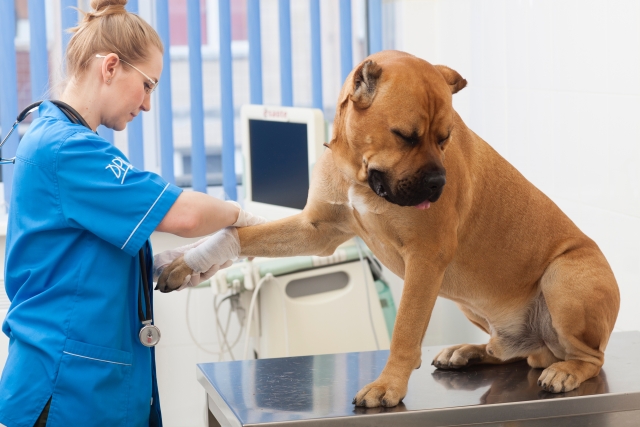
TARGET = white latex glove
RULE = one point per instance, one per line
(161, 260)
(194, 279)
(207, 256)
(245, 218)
(220, 249)
(215, 252)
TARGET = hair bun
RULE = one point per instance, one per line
(99, 5)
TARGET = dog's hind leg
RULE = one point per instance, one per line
(543, 358)
(462, 355)
(583, 300)
(479, 321)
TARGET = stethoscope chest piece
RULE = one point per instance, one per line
(149, 335)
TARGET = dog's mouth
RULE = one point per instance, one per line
(424, 205)
(418, 192)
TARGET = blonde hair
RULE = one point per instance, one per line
(109, 28)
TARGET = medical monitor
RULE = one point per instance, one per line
(280, 147)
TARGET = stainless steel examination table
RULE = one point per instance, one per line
(317, 391)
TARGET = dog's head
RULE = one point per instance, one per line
(393, 123)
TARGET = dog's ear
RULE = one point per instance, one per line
(359, 87)
(452, 77)
(365, 82)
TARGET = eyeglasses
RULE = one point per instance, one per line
(152, 85)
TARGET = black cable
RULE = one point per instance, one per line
(66, 109)
(145, 285)
(23, 115)
(71, 114)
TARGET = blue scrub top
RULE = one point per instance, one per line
(78, 216)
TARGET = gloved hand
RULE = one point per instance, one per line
(195, 278)
(205, 258)
(163, 259)
(201, 262)
(246, 219)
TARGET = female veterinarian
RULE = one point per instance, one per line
(80, 322)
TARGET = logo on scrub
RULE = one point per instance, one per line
(119, 168)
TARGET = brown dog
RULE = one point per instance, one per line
(516, 266)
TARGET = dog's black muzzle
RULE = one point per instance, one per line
(409, 191)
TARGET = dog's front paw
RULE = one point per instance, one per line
(174, 275)
(381, 392)
(459, 356)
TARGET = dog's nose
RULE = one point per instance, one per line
(377, 182)
(435, 182)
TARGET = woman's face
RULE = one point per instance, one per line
(130, 91)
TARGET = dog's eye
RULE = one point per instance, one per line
(443, 140)
(412, 139)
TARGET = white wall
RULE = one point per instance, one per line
(554, 86)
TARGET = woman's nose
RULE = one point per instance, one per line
(146, 103)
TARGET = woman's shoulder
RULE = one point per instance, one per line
(57, 132)
(42, 139)
(47, 136)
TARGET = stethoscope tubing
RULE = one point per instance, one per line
(23, 115)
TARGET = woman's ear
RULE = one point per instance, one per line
(109, 67)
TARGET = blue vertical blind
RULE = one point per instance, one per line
(226, 101)
(255, 51)
(346, 49)
(39, 70)
(68, 19)
(38, 56)
(286, 81)
(134, 128)
(198, 155)
(374, 26)
(316, 55)
(8, 89)
(164, 95)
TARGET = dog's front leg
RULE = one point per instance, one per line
(300, 234)
(419, 295)
(315, 231)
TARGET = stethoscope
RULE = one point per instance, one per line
(149, 334)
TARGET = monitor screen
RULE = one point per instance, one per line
(279, 163)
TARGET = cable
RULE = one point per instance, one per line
(219, 329)
(224, 334)
(269, 276)
(366, 286)
(193, 338)
(237, 338)
(215, 313)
